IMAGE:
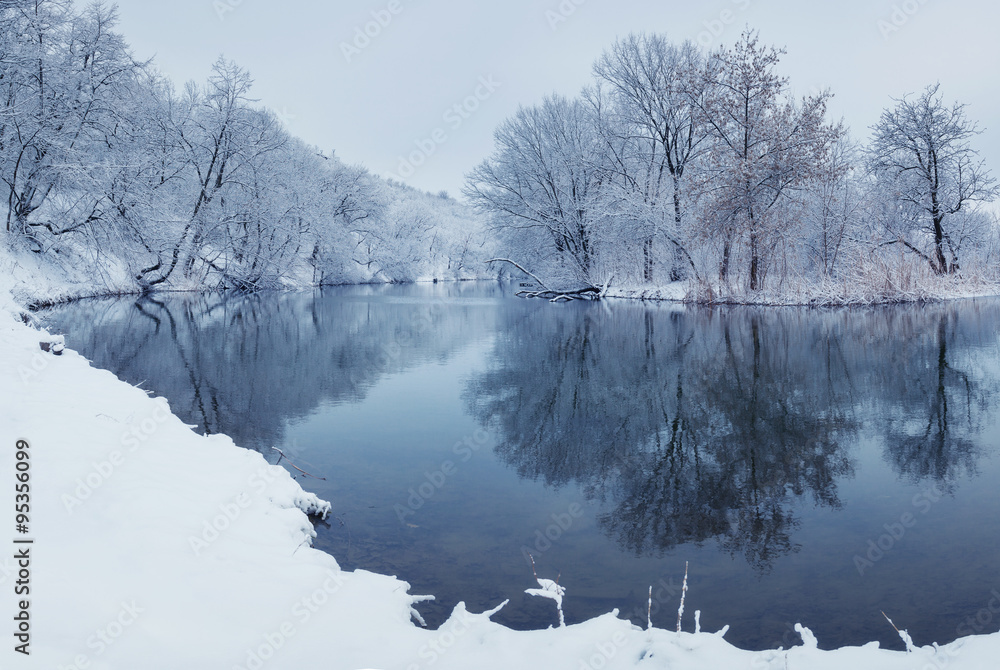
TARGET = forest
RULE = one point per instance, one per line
(679, 163)
(107, 166)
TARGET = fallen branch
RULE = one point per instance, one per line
(589, 293)
(907, 640)
(518, 266)
(293, 464)
(550, 294)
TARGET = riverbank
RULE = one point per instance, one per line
(856, 293)
(156, 548)
(35, 282)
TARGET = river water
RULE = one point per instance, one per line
(809, 465)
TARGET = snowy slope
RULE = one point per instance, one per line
(159, 548)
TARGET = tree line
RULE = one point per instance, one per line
(104, 162)
(679, 163)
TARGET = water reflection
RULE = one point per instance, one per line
(691, 425)
(933, 439)
(754, 433)
(695, 424)
(246, 365)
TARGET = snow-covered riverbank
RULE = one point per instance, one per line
(155, 547)
(928, 288)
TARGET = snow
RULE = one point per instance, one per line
(155, 547)
(858, 291)
(552, 591)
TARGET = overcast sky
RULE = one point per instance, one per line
(378, 102)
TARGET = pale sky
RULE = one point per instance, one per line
(396, 94)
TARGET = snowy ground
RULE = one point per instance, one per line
(156, 548)
(830, 293)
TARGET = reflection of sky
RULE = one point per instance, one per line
(465, 542)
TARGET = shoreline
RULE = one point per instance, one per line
(652, 294)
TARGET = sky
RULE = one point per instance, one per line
(413, 89)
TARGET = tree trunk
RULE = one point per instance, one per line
(677, 268)
(724, 266)
(647, 260)
(939, 259)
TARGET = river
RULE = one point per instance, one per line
(809, 465)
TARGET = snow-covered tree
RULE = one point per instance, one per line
(61, 75)
(543, 178)
(651, 136)
(765, 146)
(834, 208)
(921, 151)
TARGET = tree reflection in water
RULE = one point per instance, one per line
(700, 424)
(689, 424)
(245, 365)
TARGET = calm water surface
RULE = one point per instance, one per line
(811, 466)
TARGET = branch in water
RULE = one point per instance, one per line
(293, 464)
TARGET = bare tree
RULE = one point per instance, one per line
(921, 151)
(544, 177)
(222, 138)
(653, 134)
(765, 146)
(834, 204)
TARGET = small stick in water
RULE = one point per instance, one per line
(293, 464)
(649, 610)
(684, 590)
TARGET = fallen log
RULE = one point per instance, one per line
(588, 292)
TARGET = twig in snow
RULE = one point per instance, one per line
(413, 610)
(550, 590)
(293, 464)
(552, 295)
(907, 640)
(307, 540)
(684, 590)
(649, 609)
